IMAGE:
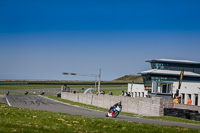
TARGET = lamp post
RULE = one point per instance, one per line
(90, 75)
(99, 76)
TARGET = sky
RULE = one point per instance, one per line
(40, 39)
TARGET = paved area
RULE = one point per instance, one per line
(40, 103)
(2, 99)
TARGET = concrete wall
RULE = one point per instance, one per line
(190, 107)
(143, 106)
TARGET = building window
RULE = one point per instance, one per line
(159, 87)
(175, 66)
(170, 88)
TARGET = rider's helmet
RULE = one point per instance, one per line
(119, 103)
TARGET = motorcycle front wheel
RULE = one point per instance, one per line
(115, 114)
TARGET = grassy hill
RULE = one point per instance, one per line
(130, 78)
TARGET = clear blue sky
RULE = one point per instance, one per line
(41, 39)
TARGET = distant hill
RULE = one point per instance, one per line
(130, 78)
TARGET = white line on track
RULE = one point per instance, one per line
(7, 100)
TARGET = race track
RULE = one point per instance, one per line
(40, 103)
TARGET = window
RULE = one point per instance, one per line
(170, 88)
(162, 87)
(175, 66)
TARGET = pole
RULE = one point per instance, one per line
(99, 81)
(92, 75)
(95, 84)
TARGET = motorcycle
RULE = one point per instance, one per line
(114, 112)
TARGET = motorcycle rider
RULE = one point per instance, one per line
(119, 103)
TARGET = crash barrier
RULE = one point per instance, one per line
(182, 113)
(139, 105)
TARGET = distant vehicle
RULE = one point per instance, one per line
(42, 93)
(7, 93)
(58, 94)
(26, 93)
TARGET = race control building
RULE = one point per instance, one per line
(163, 80)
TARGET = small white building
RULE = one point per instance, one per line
(163, 81)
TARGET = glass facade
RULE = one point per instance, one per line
(175, 66)
(162, 87)
(148, 79)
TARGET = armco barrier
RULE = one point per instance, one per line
(143, 106)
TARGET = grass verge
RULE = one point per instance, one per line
(29, 86)
(16, 87)
(163, 118)
(26, 120)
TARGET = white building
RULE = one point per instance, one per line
(163, 80)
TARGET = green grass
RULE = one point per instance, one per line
(130, 78)
(26, 120)
(116, 92)
(174, 119)
(163, 118)
(14, 87)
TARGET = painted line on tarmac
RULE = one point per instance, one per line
(69, 104)
(7, 101)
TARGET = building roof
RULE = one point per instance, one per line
(169, 72)
(174, 61)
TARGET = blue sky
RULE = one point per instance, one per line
(41, 39)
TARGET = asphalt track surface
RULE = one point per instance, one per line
(40, 103)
